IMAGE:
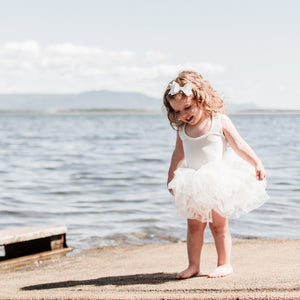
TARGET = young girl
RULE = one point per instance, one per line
(209, 183)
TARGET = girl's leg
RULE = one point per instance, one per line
(195, 232)
(222, 237)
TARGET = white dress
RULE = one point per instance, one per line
(215, 178)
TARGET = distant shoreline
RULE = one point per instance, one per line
(265, 112)
(138, 111)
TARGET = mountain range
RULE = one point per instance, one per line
(91, 100)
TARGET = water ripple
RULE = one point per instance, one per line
(104, 176)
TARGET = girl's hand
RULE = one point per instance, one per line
(260, 172)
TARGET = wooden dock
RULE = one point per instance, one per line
(29, 243)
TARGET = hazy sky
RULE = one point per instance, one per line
(248, 50)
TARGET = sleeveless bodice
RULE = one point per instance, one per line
(205, 148)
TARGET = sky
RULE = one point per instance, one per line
(248, 50)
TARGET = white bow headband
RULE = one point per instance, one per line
(176, 88)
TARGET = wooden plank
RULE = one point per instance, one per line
(22, 234)
(30, 259)
(58, 242)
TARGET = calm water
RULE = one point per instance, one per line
(103, 175)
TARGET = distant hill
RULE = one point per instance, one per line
(235, 107)
(87, 100)
(92, 100)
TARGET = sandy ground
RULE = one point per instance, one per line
(263, 269)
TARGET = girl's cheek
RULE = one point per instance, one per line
(181, 118)
(196, 111)
(179, 115)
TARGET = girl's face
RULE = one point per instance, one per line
(186, 109)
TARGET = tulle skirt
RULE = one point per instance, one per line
(228, 186)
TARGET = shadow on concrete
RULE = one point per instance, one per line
(153, 278)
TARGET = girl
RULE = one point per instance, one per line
(214, 184)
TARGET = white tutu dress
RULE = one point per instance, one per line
(215, 178)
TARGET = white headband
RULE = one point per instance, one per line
(176, 88)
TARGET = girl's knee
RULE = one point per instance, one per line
(219, 229)
(195, 226)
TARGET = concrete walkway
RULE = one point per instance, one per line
(268, 269)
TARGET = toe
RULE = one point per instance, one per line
(221, 271)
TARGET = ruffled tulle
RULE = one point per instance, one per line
(227, 186)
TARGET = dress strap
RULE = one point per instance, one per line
(217, 124)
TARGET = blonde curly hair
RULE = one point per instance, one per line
(204, 94)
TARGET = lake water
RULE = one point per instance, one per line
(104, 176)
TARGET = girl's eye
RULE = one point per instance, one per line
(187, 108)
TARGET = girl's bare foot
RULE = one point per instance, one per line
(189, 272)
(221, 271)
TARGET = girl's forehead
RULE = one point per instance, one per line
(181, 101)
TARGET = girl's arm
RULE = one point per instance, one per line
(177, 158)
(239, 145)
